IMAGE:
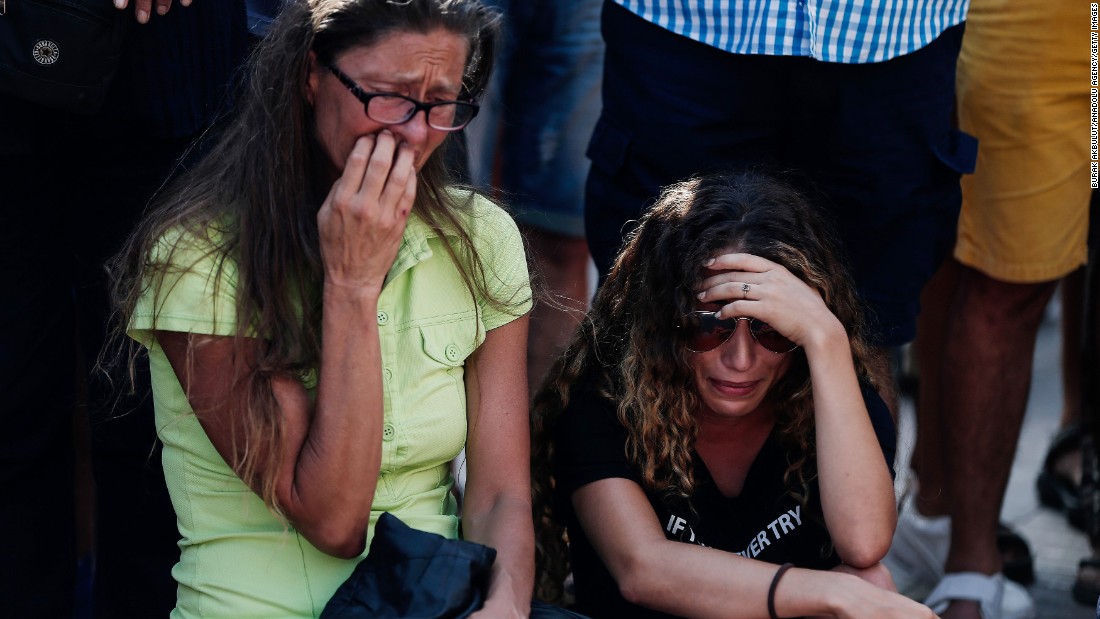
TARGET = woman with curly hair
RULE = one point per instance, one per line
(716, 416)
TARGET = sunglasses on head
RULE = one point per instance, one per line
(703, 332)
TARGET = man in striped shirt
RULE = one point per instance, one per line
(856, 94)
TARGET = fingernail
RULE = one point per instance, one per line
(709, 262)
(120, 4)
(142, 16)
(161, 9)
(700, 295)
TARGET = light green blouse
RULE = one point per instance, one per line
(240, 561)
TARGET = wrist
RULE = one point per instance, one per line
(811, 593)
(775, 585)
(829, 336)
(358, 292)
(837, 594)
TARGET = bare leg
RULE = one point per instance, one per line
(985, 379)
(928, 462)
(1073, 305)
(1068, 464)
(562, 263)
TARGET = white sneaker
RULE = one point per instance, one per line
(918, 551)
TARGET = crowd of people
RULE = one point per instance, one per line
(317, 261)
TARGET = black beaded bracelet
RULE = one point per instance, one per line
(771, 590)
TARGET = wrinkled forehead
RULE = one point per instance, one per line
(410, 58)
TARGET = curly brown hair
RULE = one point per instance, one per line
(629, 344)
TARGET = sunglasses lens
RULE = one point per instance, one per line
(708, 341)
(770, 338)
(703, 332)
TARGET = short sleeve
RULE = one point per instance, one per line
(191, 289)
(589, 444)
(883, 423)
(500, 248)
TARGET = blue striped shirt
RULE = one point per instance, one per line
(847, 31)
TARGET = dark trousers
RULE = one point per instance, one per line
(71, 189)
(876, 142)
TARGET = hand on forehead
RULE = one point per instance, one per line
(727, 267)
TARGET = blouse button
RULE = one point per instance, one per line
(383, 318)
(388, 374)
(387, 432)
(452, 352)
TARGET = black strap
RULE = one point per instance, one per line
(775, 583)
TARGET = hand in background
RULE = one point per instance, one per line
(143, 8)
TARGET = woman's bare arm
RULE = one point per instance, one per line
(331, 450)
(693, 581)
(497, 503)
(857, 494)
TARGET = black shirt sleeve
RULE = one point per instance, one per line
(589, 443)
(883, 423)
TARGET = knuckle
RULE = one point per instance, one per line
(344, 200)
(358, 159)
(377, 170)
(338, 203)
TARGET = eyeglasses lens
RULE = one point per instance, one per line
(396, 110)
(390, 110)
(455, 115)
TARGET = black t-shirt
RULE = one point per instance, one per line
(763, 522)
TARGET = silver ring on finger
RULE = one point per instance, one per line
(745, 291)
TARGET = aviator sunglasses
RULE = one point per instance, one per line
(704, 332)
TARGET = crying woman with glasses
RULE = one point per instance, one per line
(711, 444)
(329, 321)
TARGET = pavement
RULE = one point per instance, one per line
(1056, 546)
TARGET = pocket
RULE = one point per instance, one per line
(61, 54)
(609, 146)
(451, 343)
(958, 150)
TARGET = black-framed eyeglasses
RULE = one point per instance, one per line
(703, 332)
(390, 108)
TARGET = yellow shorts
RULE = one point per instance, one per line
(1023, 91)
